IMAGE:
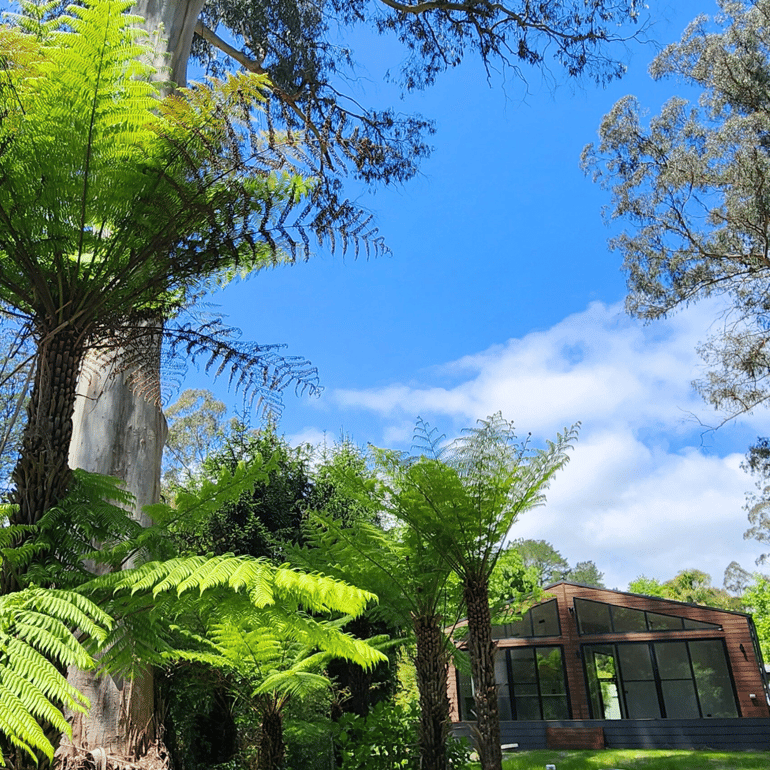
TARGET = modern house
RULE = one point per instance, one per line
(590, 667)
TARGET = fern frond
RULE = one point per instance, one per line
(20, 727)
(36, 636)
(295, 683)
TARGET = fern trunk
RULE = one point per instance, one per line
(42, 474)
(431, 665)
(481, 648)
(271, 745)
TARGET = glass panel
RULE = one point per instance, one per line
(593, 617)
(522, 665)
(694, 625)
(592, 659)
(663, 622)
(635, 663)
(679, 699)
(517, 629)
(550, 670)
(499, 632)
(467, 705)
(545, 619)
(611, 701)
(528, 708)
(503, 692)
(625, 620)
(673, 660)
(641, 700)
(602, 682)
(555, 707)
(712, 678)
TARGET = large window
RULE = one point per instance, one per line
(600, 618)
(654, 680)
(541, 620)
(530, 685)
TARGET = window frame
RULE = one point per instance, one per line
(533, 649)
(658, 680)
(527, 616)
(683, 621)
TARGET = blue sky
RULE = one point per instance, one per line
(501, 295)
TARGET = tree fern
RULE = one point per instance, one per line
(462, 500)
(115, 204)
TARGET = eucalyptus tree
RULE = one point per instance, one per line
(297, 46)
(461, 499)
(306, 50)
(690, 186)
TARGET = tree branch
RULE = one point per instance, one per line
(252, 65)
(433, 5)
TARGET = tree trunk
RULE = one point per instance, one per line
(120, 432)
(482, 653)
(175, 20)
(431, 665)
(271, 745)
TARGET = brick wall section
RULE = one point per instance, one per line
(736, 632)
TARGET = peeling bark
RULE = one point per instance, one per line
(118, 432)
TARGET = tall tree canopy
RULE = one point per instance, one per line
(691, 184)
(305, 47)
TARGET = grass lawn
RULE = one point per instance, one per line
(636, 759)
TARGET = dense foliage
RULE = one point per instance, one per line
(691, 585)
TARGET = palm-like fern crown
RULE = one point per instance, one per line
(464, 496)
(115, 203)
(109, 196)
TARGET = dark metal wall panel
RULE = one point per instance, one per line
(725, 734)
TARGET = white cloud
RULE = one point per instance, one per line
(310, 435)
(642, 495)
(592, 366)
(637, 511)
